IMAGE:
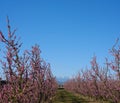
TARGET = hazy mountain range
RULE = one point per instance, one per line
(61, 80)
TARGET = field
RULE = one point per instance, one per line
(63, 96)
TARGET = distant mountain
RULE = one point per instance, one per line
(61, 80)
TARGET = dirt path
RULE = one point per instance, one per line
(63, 96)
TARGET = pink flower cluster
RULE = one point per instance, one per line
(28, 77)
(99, 82)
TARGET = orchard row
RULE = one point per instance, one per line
(99, 82)
(28, 77)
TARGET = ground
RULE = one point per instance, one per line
(63, 96)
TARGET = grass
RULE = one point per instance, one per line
(63, 96)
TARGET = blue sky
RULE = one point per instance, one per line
(69, 32)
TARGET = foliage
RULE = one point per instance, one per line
(29, 78)
(97, 82)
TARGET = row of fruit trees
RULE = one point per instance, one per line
(99, 82)
(28, 77)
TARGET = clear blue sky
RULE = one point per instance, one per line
(69, 32)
